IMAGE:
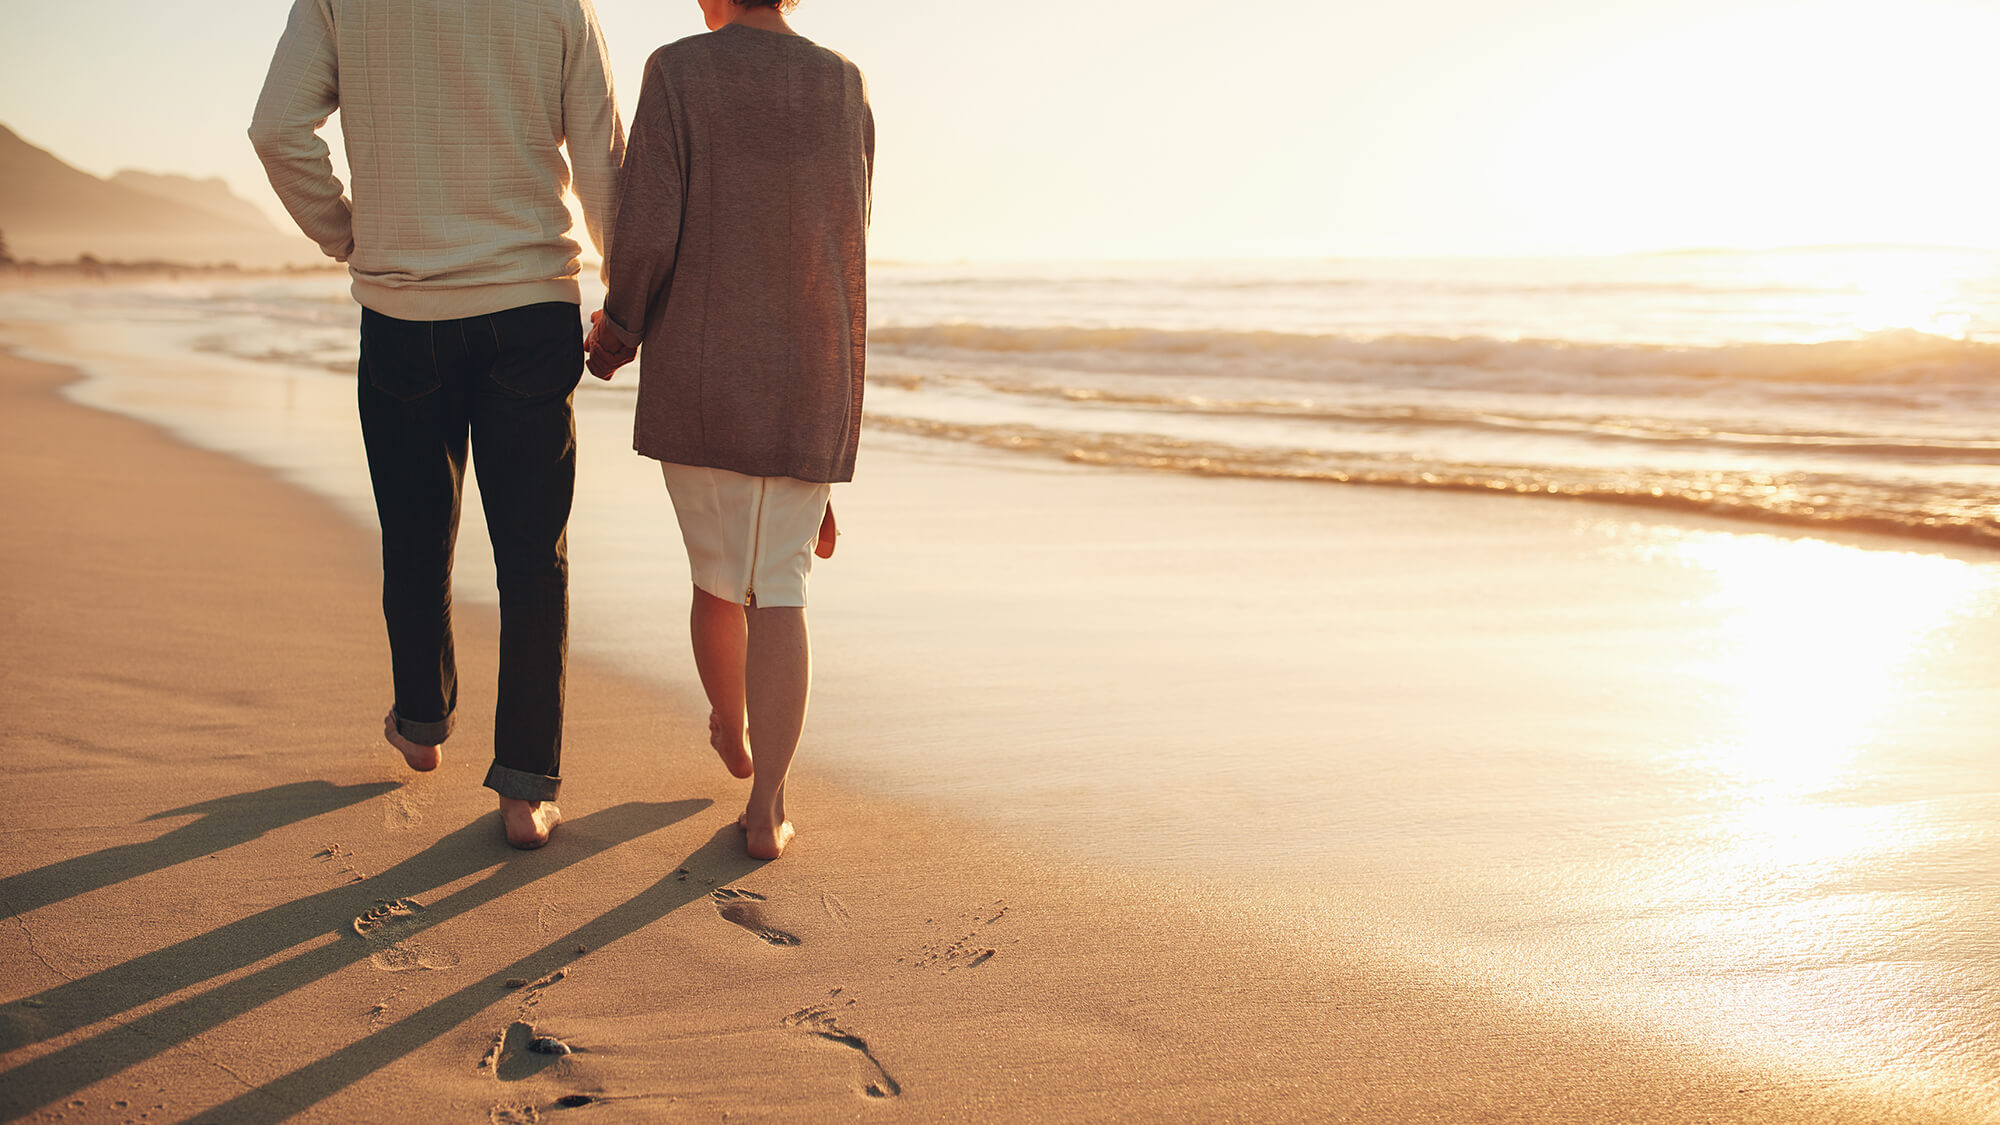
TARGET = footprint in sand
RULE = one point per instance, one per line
(337, 853)
(836, 910)
(818, 1021)
(403, 809)
(967, 952)
(386, 925)
(742, 908)
(521, 1051)
(406, 958)
(389, 918)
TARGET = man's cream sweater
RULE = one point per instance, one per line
(454, 113)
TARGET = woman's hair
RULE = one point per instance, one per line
(781, 5)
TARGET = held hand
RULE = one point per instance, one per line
(607, 353)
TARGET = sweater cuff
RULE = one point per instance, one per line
(620, 333)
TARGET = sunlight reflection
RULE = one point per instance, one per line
(1785, 919)
(1814, 666)
(1816, 637)
(1915, 289)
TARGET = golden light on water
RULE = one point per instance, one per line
(1812, 670)
(1780, 906)
(1816, 636)
(1913, 299)
(1794, 888)
(1889, 289)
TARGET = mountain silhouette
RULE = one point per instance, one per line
(211, 195)
(50, 211)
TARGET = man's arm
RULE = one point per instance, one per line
(591, 129)
(300, 93)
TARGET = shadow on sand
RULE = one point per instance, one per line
(720, 860)
(224, 823)
(239, 944)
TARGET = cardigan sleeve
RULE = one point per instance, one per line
(652, 199)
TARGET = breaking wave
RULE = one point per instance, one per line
(1819, 500)
(1894, 358)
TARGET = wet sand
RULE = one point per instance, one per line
(229, 901)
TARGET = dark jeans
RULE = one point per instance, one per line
(505, 380)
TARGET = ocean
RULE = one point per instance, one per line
(1844, 389)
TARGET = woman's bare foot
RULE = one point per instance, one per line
(765, 841)
(529, 823)
(735, 755)
(423, 759)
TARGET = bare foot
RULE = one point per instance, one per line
(765, 841)
(423, 759)
(529, 823)
(735, 756)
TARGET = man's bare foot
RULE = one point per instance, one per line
(765, 841)
(529, 823)
(735, 756)
(423, 759)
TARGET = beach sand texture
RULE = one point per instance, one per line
(1373, 806)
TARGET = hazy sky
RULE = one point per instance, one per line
(1116, 128)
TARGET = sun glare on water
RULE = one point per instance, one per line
(1910, 292)
(1778, 919)
(1817, 636)
(1871, 290)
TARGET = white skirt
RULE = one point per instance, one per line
(749, 539)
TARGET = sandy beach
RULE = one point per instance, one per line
(1398, 565)
(1124, 797)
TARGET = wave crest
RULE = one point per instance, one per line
(1901, 357)
(1826, 501)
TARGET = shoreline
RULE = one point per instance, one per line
(1217, 463)
(1110, 991)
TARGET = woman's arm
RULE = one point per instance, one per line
(651, 196)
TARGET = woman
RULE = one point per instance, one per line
(740, 260)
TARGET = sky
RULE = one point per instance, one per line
(1063, 129)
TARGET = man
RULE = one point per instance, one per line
(454, 112)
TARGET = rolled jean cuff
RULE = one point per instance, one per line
(424, 734)
(522, 785)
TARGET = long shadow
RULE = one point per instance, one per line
(225, 822)
(471, 849)
(720, 859)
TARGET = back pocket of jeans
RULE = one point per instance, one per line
(398, 357)
(539, 348)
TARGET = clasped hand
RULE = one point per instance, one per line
(605, 352)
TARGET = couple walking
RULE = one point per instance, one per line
(733, 228)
